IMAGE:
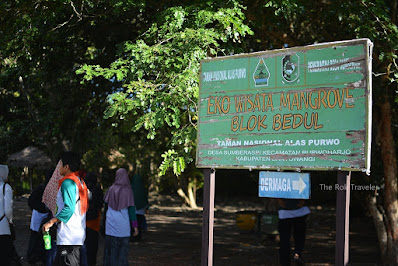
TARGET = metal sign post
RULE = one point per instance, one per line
(208, 217)
(342, 218)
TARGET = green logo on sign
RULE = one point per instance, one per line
(261, 74)
(290, 68)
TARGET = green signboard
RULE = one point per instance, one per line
(298, 108)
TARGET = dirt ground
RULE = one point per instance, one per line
(174, 236)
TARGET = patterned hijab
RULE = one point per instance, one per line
(120, 194)
(51, 190)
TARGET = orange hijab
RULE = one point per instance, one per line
(82, 190)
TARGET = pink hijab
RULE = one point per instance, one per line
(51, 190)
(120, 194)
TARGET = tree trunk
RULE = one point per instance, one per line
(182, 194)
(192, 194)
(390, 179)
(378, 221)
(191, 198)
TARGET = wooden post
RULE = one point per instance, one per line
(208, 217)
(342, 218)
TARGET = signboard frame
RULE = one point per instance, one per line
(365, 70)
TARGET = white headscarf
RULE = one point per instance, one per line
(3, 172)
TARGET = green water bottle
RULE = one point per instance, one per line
(47, 240)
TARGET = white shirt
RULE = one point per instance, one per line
(140, 211)
(36, 219)
(5, 208)
(117, 223)
(286, 214)
(74, 231)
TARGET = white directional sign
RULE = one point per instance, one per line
(284, 185)
(299, 185)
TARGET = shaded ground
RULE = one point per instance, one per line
(174, 236)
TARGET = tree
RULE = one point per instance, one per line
(40, 45)
(42, 100)
(158, 72)
(140, 62)
(298, 23)
(386, 215)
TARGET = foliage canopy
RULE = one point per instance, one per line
(158, 72)
(137, 65)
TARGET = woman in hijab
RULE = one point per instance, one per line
(141, 204)
(6, 244)
(50, 192)
(119, 214)
(49, 198)
(93, 217)
(40, 212)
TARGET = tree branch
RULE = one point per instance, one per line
(62, 24)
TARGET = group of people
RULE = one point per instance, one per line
(69, 205)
